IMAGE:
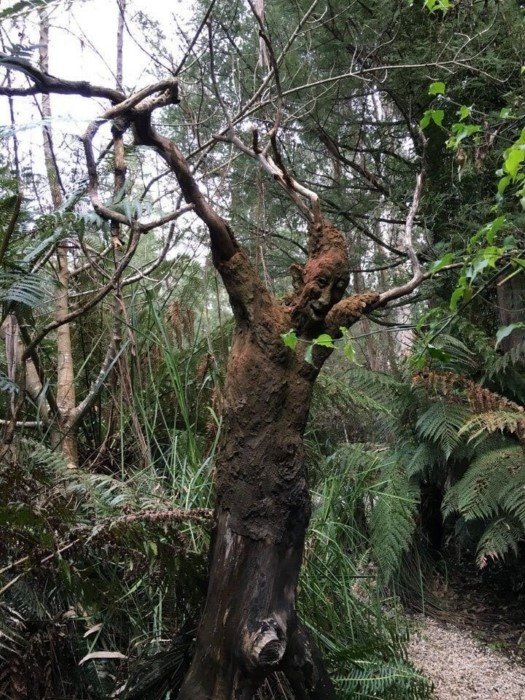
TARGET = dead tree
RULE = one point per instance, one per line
(249, 626)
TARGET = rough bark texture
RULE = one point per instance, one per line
(249, 626)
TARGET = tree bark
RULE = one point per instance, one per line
(511, 307)
(249, 626)
(64, 437)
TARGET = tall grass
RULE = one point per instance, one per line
(124, 574)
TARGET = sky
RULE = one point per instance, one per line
(83, 47)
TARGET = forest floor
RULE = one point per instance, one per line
(472, 642)
(462, 667)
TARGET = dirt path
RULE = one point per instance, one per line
(463, 668)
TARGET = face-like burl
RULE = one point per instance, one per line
(318, 286)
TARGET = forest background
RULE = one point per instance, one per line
(407, 120)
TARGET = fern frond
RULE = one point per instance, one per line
(499, 539)
(495, 421)
(481, 492)
(504, 362)
(462, 358)
(386, 680)
(393, 514)
(441, 424)
(423, 459)
(27, 288)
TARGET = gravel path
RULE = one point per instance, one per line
(462, 668)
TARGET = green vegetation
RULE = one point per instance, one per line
(416, 437)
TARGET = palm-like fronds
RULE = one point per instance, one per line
(441, 424)
(479, 494)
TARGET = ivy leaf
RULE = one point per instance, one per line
(493, 227)
(425, 119)
(325, 341)
(435, 115)
(505, 331)
(513, 160)
(437, 89)
(503, 184)
(456, 297)
(464, 112)
(438, 116)
(290, 339)
(435, 5)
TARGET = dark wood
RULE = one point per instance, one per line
(249, 626)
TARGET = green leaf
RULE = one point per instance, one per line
(492, 228)
(349, 351)
(456, 297)
(308, 355)
(515, 157)
(464, 112)
(463, 131)
(503, 184)
(442, 262)
(437, 89)
(438, 116)
(425, 120)
(505, 331)
(290, 339)
(435, 5)
(325, 341)
(435, 115)
(438, 354)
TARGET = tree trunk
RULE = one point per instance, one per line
(64, 437)
(249, 626)
(511, 304)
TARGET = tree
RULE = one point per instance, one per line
(249, 625)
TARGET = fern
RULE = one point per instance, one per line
(494, 421)
(482, 491)
(423, 459)
(383, 680)
(504, 362)
(500, 538)
(393, 515)
(460, 357)
(441, 424)
(27, 288)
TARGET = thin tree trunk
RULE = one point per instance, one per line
(511, 307)
(64, 437)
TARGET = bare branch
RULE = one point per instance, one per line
(45, 83)
(417, 274)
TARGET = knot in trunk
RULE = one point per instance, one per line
(265, 646)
